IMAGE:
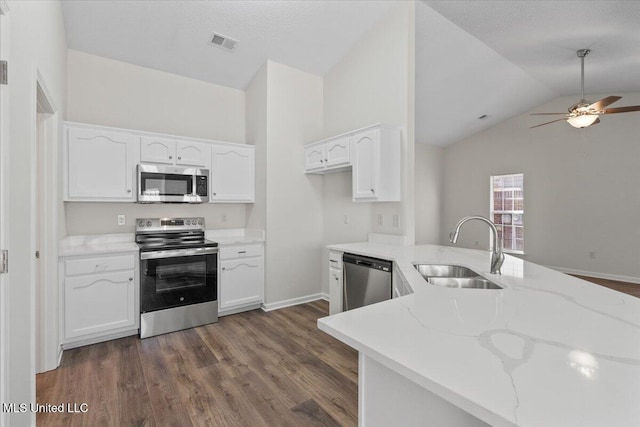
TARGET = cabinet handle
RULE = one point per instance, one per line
(224, 268)
(332, 260)
(336, 278)
(214, 194)
(321, 161)
(131, 279)
(242, 252)
(179, 158)
(170, 157)
(372, 190)
(326, 160)
(129, 190)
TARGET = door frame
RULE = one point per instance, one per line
(45, 315)
(4, 241)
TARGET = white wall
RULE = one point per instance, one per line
(428, 187)
(291, 207)
(37, 45)
(111, 93)
(581, 188)
(373, 83)
(256, 114)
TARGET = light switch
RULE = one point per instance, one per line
(121, 220)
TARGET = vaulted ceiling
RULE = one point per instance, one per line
(473, 58)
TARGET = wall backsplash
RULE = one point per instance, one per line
(101, 218)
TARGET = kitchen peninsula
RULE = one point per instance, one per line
(546, 350)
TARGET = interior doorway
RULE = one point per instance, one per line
(45, 237)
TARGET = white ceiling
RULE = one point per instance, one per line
(499, 58)
(173, 36)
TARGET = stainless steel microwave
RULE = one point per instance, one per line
(168, 184)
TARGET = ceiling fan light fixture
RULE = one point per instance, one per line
(583, 120)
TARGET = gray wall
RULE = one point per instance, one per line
(428, 188)
(581, 188)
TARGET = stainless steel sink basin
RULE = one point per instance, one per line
(454, 276)
(438, 270)
(463, 282)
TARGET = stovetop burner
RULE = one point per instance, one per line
(154, 234)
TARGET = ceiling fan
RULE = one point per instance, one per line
(584, 113)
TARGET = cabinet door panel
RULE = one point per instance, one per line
(314, 157)
(100, 164)
(337, 152)
(232, 174)
(365, 159)
(242, 282)
(335, 291)
(193, 154)
(99, 302)
(157, 150)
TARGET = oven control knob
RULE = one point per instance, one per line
(148, 223)
(181, 299)
(199, 222)
(141, 224)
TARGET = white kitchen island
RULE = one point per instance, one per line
(546, 350)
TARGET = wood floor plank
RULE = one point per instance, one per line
(251, 368)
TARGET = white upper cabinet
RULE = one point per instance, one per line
(373, 154)
(331, 155)
(337, 152)
(376, 165)
(155, 149)
(314, 157)
(232, 173)
(193, 153)
(365, 153)
(99, 165)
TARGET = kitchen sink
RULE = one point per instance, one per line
(438, 270)
(454, 276)
(463, 282)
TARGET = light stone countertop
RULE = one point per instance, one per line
(125, 242)
(546, 350)
(97, 244)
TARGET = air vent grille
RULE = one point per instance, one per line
(223, 42)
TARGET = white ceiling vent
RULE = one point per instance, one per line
(223, 42)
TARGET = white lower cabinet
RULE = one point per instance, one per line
(335, 282)
(100, 298)
(241, 278)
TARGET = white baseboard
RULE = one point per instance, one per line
(619, 278)
(292, 301)
(324, 296)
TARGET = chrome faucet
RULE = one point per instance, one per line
(497, 257)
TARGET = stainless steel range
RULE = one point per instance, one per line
(178, 275)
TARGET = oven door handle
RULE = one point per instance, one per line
(178, 253)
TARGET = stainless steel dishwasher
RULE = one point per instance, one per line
(366, 281)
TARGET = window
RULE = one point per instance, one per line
(507, 210)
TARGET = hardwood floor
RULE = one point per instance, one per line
(628, 288)
(249, 369)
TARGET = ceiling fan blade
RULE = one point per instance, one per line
(595, 122)
(546, 114)
(622, 109)
(547, 123)
(599, 105)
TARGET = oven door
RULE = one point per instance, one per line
(174, 278)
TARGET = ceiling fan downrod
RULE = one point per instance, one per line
(581, 54)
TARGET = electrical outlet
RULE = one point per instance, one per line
(592, 255)
(396, 220)
(224, 217)
(346, 219)
(122, 220)
(380, 220)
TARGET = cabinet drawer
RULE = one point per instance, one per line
(335, 260)
(240, 251)
(74, 267)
